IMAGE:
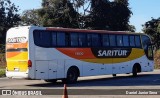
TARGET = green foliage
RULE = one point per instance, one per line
(30, 17)
(131, 28)
(2, 72)
(86, 14)
(58, 13)
(109, 15)
(152, 28)
(8, 18)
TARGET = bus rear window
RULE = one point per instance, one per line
(17, 50)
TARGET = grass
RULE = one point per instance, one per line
(2, 73)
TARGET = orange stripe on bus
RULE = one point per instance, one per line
(77, 53)
(17, 45)
(12, 54)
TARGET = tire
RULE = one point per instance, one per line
(51, 80)
(135, 71)
(114, 75)
(72, 76)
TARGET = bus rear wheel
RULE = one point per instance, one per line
(72, 76)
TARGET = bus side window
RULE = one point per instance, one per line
(54, 39)
(74, 39)
(112, 39)
(82, 40)
(42, 38)
(67, 39)
(96, 40)
(105, 40)
(119, 40)
(89, 39)
(132, 41)
(61, 39)
(125, 40)
(137, 41)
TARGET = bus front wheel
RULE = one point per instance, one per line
(135, 71)
(72, 76)
(114, 75)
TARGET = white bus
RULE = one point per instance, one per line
(53, 54)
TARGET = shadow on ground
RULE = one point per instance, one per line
(140, 80)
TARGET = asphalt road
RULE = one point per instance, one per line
(106, 86)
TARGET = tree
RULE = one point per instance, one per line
(109, 15)
(30, 17)
(58, 13)
(8, 18)
(86, 14)
(99, 14)
(152, 28)
(82, 7)
(120, 15)
(131, 28)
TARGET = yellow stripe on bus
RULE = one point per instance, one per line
(136, 53)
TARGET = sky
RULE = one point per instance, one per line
(142, 10)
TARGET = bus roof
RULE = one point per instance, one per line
(90, 31)
(81, 30)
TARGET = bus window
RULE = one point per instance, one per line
(119, 40)
(74, 39)
(125, 40)
(54, 39)
(112, 39)
(61, 39)
(96, 40)
(105, 40)
(42, 38)
(67, 39)
(132, 42)
(89, 39)
(137, 41)
(82, 40)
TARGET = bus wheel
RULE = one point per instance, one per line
(72, 76)
(135, 71)
(51, 80)
(114, 75)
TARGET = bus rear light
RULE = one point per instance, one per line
(29, 63)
